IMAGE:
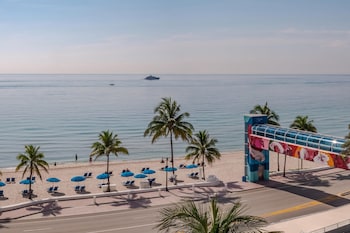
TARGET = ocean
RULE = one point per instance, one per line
(64, 114)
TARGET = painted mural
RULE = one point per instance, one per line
(258, 145)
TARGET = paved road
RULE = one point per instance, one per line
(277, 201)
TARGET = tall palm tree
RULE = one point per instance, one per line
(202, 148)
(109, 143)
(168, 121)
(272, 116)
(272, 119)
(32, 160)
(302, 123)
(346, 145)
(189, 217)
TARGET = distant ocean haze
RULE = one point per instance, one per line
(63, 114)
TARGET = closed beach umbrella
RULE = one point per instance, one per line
(190, 166)
(2, 184)
(140, 176)
(170, 169)
(149, 171)
(26, 182)
(78, 178)
(126, 174)
(102, 176)
(53, 180)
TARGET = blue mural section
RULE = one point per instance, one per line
(256, 160)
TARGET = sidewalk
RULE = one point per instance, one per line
(104, 204)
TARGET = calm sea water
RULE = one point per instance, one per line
(63, 114)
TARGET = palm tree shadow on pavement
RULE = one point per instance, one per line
(311, 193)
(307, 179)
(4, 221)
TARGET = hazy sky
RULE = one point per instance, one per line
(175, 36)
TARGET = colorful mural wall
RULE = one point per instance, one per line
(257, 149)
(319, 156)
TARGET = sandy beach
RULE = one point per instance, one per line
(228, 169)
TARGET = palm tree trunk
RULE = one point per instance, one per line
(203, 177)
(172, 152)
(30, 183)
(108, 188)
(284, 167)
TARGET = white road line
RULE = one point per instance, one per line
(122, 228)
(35, 230)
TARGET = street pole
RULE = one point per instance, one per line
(166, 177)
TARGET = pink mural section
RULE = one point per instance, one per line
(258, 144)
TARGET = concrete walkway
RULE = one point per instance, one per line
(319, 222)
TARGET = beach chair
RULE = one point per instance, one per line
(33, 179)
(191, 175)
(77, 188)
(85, 174)
(13, 180)
(132, 182)
(1, 193)
(195, 175)
(25, 192)
(123, 171)
(182, 166)
(55, 189)
(110, 173)
(143, 169)
(89, 174)
(8, 180)
(126, 183)
(82, 188)
(50, 190)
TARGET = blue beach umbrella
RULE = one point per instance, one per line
(149, 171)
(53, 180)
(78, 178)
(126, 174)
(140, 176)
(2, 184)
(102, 176)
(170, 169)
(26, 182)
(190, 166)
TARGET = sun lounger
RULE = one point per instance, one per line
(55, 189)
(85, 174)
(82, 188)
(89, 174)
(1, 193)
(132, 182)
(110, 173)
(13, 180)
(126, 183)
(25, 192)
(77, 188)
(33, 179)
(50, 190)
(8, 180)
(143, 169)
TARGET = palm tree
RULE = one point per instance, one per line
(168, 121)
(202, 148)
(302, 123)
(189, 217)
(272, 119)
(32, 160)
(272, 116)
(346, 145)
(109, 143)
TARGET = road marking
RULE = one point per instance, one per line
(302, 206)
(122, 228)
(35, 230)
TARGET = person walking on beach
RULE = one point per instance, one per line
(76, 157)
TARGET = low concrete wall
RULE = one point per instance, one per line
(109, 194)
